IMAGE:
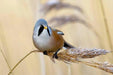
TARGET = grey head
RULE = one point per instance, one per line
(41, 22)
(40, 25)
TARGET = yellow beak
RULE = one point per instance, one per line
(45, 27)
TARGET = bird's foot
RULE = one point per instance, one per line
(45, 53)
(55, 56)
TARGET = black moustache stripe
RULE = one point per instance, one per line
(40, 30)
(48, 31)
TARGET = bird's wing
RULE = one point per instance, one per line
(58, 32)
(66, 45)
(61, 33)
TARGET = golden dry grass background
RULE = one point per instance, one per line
(17, 19)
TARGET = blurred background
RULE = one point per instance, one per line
(85, 23)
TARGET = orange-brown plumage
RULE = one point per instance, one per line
(57, 41)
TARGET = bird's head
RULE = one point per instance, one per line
(40, 25)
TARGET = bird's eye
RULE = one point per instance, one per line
(40, 29)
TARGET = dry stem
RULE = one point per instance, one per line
(73, 54)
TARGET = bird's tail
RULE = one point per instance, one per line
(67, 45)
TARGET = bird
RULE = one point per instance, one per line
(48, 39)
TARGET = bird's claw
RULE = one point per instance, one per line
(55, 56)
(45, 53)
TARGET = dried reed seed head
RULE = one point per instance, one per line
(72, 54)
(104, 66)
(86, 53)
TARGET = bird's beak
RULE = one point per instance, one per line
(45, 27)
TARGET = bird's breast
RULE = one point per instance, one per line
(44, 42)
